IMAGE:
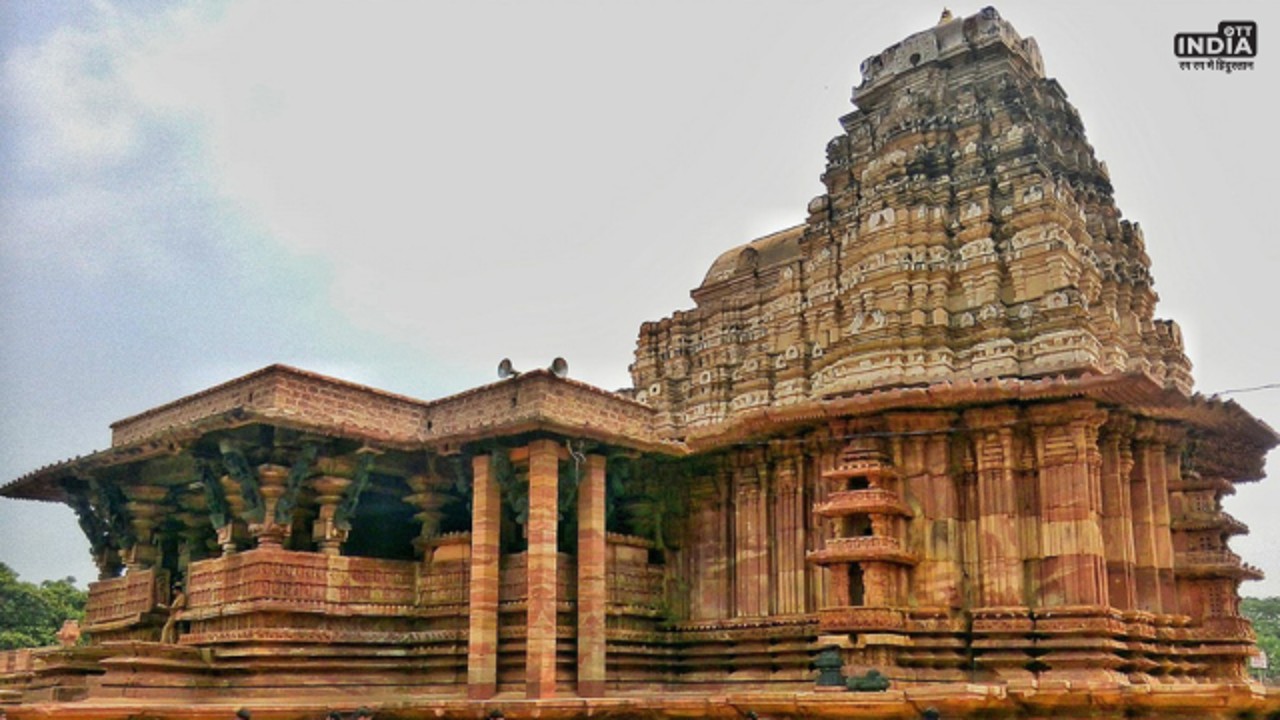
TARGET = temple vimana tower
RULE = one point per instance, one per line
(934, 432)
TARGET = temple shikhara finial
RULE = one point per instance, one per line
(934, 440)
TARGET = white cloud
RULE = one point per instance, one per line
(67, 99)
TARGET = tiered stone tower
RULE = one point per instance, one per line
(961, 336)
(967, 232)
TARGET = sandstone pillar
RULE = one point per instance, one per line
(1000, 581)
(789, 550)
(1150, 519)
(922, 454)
(592, 591)
(709, 558)
(1073, 565)
(482, 646)
(1170, 470)
(1071, 621)
(544, 480)
(326, 533)
(922, 457)
(1002, 624)
(817, 577)
(750, 543)
(267, 532)
(1117, 512)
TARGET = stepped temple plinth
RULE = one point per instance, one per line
(932, 440)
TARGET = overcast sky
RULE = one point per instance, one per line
(401, 194)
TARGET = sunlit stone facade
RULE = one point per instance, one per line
(935, 431)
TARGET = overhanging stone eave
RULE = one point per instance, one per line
(42, 484)
(1131, 389)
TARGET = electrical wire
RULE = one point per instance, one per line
(1255, 388)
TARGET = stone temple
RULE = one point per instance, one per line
(934, 431)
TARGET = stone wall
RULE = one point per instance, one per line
(1054, 530)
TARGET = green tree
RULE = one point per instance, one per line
(30, 614)
(1264, 613)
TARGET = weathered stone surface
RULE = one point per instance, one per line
(542, 596)
(482, 635)
(592, 579)
(933, 435)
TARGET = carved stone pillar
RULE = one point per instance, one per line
(229, 535)
(709, 593)
(1002, 624)
(999, 551)
(108, 561)
(923, 460)
(544, 491)
(1073, 617)
(789, 536)
(428, 499)
(1073, 565)
(1117, 511)
(267, 532)
(750, 543)
(191, 546)
(1170, 438)
(819, 457)
(145, 513)
(592, 590)
(486, 522)
(1151, 521)
(328, 536)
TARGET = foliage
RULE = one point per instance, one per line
(648, 497)
(570, 476)
(30, 614)
(1265, 615)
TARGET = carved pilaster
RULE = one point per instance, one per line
(1117, 510)
(750, 551)
(923, 460)
(1073, 618)
(789, 536)
(1072, 558)
(999, 552)
(1002, 623)
(1152, 520)
(708, 547)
